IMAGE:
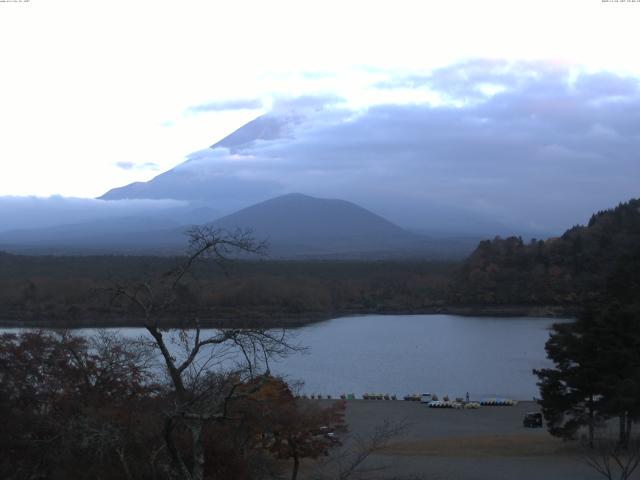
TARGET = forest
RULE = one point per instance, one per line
(74, 291)
(569, 270)
(503, 276)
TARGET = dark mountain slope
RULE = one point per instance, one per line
(299, 225)
(295, 226)
(298, 216)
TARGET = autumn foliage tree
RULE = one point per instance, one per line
(297, 428)
(71, 404)
(91, 407)
(183, 403)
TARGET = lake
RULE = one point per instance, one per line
(400, 354)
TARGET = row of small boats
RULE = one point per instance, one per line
(498, 402)
(456, 405)
(378, 396)
(428, 399)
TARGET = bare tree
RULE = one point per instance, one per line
(203, 384)
(613, 461)
(351, 461)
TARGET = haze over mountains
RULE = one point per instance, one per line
(294, 226)
(221, 176)
(430, 175)
(536, 154)
(300, 225)
(210, 188)
(533, 155)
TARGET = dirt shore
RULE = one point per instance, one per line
(488, 443)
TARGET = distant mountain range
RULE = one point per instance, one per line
(209, 190)
(210, 177)
(294, 225)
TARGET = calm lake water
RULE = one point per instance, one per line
(422, 353)
(402, 354)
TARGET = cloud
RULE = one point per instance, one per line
(305, 104)
(508, 147)
(523, 143)
(280, 104)
(149, 166)
(37, 212)
(225, 105)
(138, 166)
(125, 165)
(318, 75)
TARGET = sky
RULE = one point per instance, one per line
(95, 95)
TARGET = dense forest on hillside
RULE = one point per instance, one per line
(578, 267)
(76, 290)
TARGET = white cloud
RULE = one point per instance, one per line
(225, 105)
(88, 84)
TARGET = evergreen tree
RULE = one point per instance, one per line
(571, 391)
(596, 374)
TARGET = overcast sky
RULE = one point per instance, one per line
(98, 94)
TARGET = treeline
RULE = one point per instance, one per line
(501, 277)
(567, 271)
(76, 290)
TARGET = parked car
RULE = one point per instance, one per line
(532, 420)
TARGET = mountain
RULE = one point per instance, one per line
(301, 226)
(198, 179)
(294, 225)
(263, 159)
(297, 224)
(265, 127)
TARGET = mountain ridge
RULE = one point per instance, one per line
(295, 225)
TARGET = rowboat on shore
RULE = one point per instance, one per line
(498, 402)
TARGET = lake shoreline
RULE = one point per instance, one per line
(287, 320)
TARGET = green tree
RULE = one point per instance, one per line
(571, 391)
(596, 374)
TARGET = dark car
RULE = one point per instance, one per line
(532, 420)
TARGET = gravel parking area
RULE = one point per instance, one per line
(488, 443)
